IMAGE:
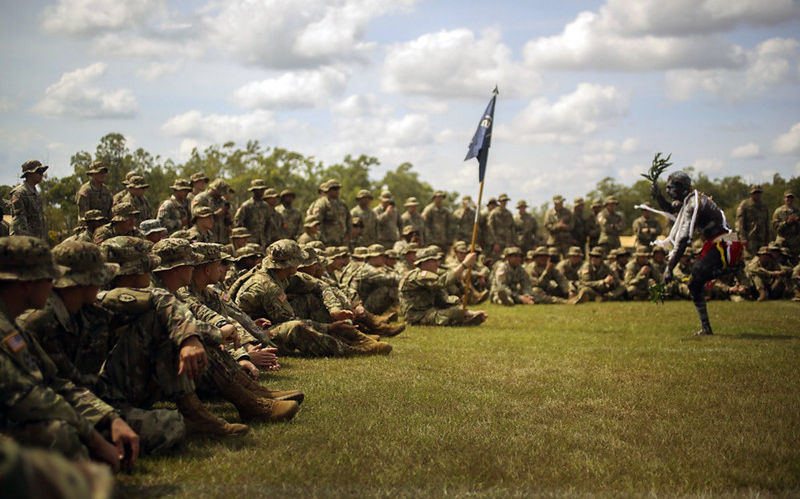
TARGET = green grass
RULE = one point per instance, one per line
(610, 399)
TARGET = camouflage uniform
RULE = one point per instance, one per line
(413, 220)
(752, 223)
(637, 282)
(593, 278)
(333, 216)
(253, 213)
(526, 228)
(388, 223)
(549, 281)
(463, 221)
(292, 217)
(571, 271)
(275, 225)
(173, 211)
(27, 210)
(119, 213)
(645, 231)
(424, 299)
(612, 224)
(369, 233)
(197, 235)
(90, 197)
(139, 202)
(262, 294)
(500, 224)
(39, 407)
(509, 283)
(5, 229)
(591, 226)
(786, 224)
(771, 279)
(559, 224)
(213, 199)
(579, 229)
(376, 288)
(437, 223)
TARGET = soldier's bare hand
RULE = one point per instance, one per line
(526, 299)
(264, 357)
(263, 323)
(126, 440)
(609, 279)
(230, 335)
(251, 369)
(341, 327)
(192, 358)
(102, 450)
(470, 259)
(342, 315)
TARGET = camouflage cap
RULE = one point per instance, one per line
(258, 184)
(122, 211)
(317, 245)
(610, 200)
(596, 203)
(173, 253)
(197, 177)
(460, 247)
(375, 250)
(577, 201)
(386, 196)
(755, 188)
(283, 254)
(410, 248)
(408, 229)
(491, 201)
(503, 197)
(788, 194)
(657, 248)
(181, 234)
(137, 182)
(208, 252)
(363, 194)
(32, 166)
(438, 194)
(240, 233)
(558, 198)
(512, 250)
(181, 184)
(332, 184)
(287, 192)
(82, 264)
(428, 253)
(201, 212)
(621, 252)
(359, 252)
(150, 226)
(341, 251)
(412, 201)
(270, 193)
(93, 216)
(642, 251)
(249, 250)
(539, 251)
(129, 176)
(219, 185)
(357, 222)
(96, 167)
(25, 258)
(574, 251)
(553, 251)
(522, 204)
(131, 253)
(597, 251)
(323, 186)
(391, 253)
(311, 258)
(529, 255)
(311, 221)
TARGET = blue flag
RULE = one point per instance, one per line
(479, 147)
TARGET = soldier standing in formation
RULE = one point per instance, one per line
(27, 209)
(500, 225)
(646, 229)
(752, 222)
(135, 196)
(214, 198)
(369, 220)
(559, 224)
(786, 224)
(526, 227)
(292, 217)
(437, 222)
(332, 213)
(612, 224)
(174, 213)
(388, 220)
(94, 194)
(463, 220)
(252, 214)
(412, 218)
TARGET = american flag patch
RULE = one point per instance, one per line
(15, 342)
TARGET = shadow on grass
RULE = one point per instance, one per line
(157, 490)
(756, 336)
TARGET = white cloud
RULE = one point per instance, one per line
(630, 145)
(6, 104)
(746, 151)
(573, 116)
(89, 17)
(292, 90)
(708, 165)
(789, 142)
(769, 64)
(456, 64)
(220, 128)
(150, 46)
(587, 43)
(74, 96)
(684, 17)
(155, 70)
(299, 34)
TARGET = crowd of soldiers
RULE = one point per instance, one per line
(194, 298)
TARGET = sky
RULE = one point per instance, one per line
(588, 89)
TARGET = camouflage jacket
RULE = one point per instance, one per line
(388, 225)
(514, 281)
(141, 205)
(293, 220)
(568, 270)
(172, 213)
(558, 234)
(422, 290)
(32, 391)
(302, 284)
(635, 277)
(416, 221)
(77, 343)
(501, 227)
(547, 278)
(369, 234)
(108, 231)
(463, 220)
(253, 215)
(579, 228)
(89, 197)
(334, 220)
(752, 222)
(594, 277)
(27, 212)
(200, 237)
(789, 232)
(368, 278)
(437, 225)
(526, 227)
(611, 226)
(645, 231)
(220, 230)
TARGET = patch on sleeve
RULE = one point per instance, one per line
(126, 298)
(15, 342)
(84, 193)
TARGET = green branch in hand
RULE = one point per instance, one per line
(658, 167)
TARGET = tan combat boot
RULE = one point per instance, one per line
(253, 407)
(263, 391)
(200, 421)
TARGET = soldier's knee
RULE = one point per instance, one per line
(159, 430)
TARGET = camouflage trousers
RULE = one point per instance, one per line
(300, 338)
(547, 297)
(381, 300)
(309, 306)
(640, 291)
(53, 435)
(776, 288)
(451, 316)
(616, 293)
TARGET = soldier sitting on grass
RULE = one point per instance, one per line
(423, 294)
(510, 283)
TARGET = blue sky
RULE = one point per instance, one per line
(587, 89)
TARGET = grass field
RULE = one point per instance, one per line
(609, 399)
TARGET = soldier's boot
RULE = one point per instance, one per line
(505, 298)
(702, 312)
(582, 297)
(200, 421)
(361, 344)
(480, 297)
(762, 295)
(389, 316)
(263, 391)
(253, 407)
(796, 296)
(375, 325)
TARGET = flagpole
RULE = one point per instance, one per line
(468, 289)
